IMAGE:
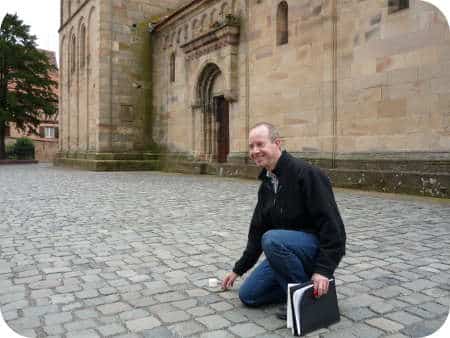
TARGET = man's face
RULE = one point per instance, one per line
(263, 150)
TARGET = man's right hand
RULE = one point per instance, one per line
(228, 280)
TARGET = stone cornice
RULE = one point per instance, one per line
(226, 34)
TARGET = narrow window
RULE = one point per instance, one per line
(73, 54)
(194, 28)
(282, 23)
(397, 5)
(172, 67)
(83, 47)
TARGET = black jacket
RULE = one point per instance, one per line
(304, 201)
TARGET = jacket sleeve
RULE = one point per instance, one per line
(324, 214)
(253, 249)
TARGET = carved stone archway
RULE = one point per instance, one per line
(214, 114)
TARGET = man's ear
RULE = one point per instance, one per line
(278, 142)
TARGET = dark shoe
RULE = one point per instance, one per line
(281, 313)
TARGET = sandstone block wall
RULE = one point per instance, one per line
(352, 81)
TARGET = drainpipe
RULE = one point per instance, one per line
(247, 73)
(334, 82)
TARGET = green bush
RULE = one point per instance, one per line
(10, 151)
(24, 149)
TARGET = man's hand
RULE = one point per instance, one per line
(320, 284)
(228, 281)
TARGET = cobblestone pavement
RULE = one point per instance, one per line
(129, 254)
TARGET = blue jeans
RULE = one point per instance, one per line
(290, 257)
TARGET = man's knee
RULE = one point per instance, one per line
(246, 298)
(270, 241)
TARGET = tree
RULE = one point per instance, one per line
(26, 89)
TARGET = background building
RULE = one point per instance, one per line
(46, 142)
(359, 87)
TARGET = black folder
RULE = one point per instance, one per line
(309, 313)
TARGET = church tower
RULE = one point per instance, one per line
(105, 81)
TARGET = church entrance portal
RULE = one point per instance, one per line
(215, 115)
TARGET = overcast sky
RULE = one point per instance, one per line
(41, 15)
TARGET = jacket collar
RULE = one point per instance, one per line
(281, 164)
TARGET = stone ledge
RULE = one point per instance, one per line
(18, 162)
(405, 182)
(108, 165)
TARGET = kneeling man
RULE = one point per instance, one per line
(296, 223)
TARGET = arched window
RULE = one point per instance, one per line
(83, 46)
(282, 23)
(194, 28)
(186, 33)
(212, 18)
(202, 23)
(179, 36)
(397, 5)
(224, 10)
(172, 67)
(73, 48)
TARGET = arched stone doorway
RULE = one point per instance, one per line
(215, 114)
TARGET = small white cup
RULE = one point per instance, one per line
(212, 282)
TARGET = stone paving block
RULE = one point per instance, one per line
(214, 322)
(217, 334)
(271, 323)
(435, 308)
(72, 306)
(111, 329)
(101, 300)
(403, 317)
(418, 311)
(113, 308)
(10, 315)
(200, 311)
(197, 292)
(360, 301)
(89, 293)
(357, 330)
(80, 325)
(185, 304)
(424, 328)
(391, 291)
(133, 314)
(45, 284)
(160, 332)
(86, 313)
(186, 328)
(54, 330)
(415, 298)
(247, 330)
(174, 316)
(146, 323)
(25, 323)
(169, 297)
(142, 301)
(57, 318)
(29, 333)
(62, 299)
(68, 288)
(420, 284)
(83, 334)
(221, 306)
(385, 324)
(359, 313)
(39, 310)
(12, 297)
